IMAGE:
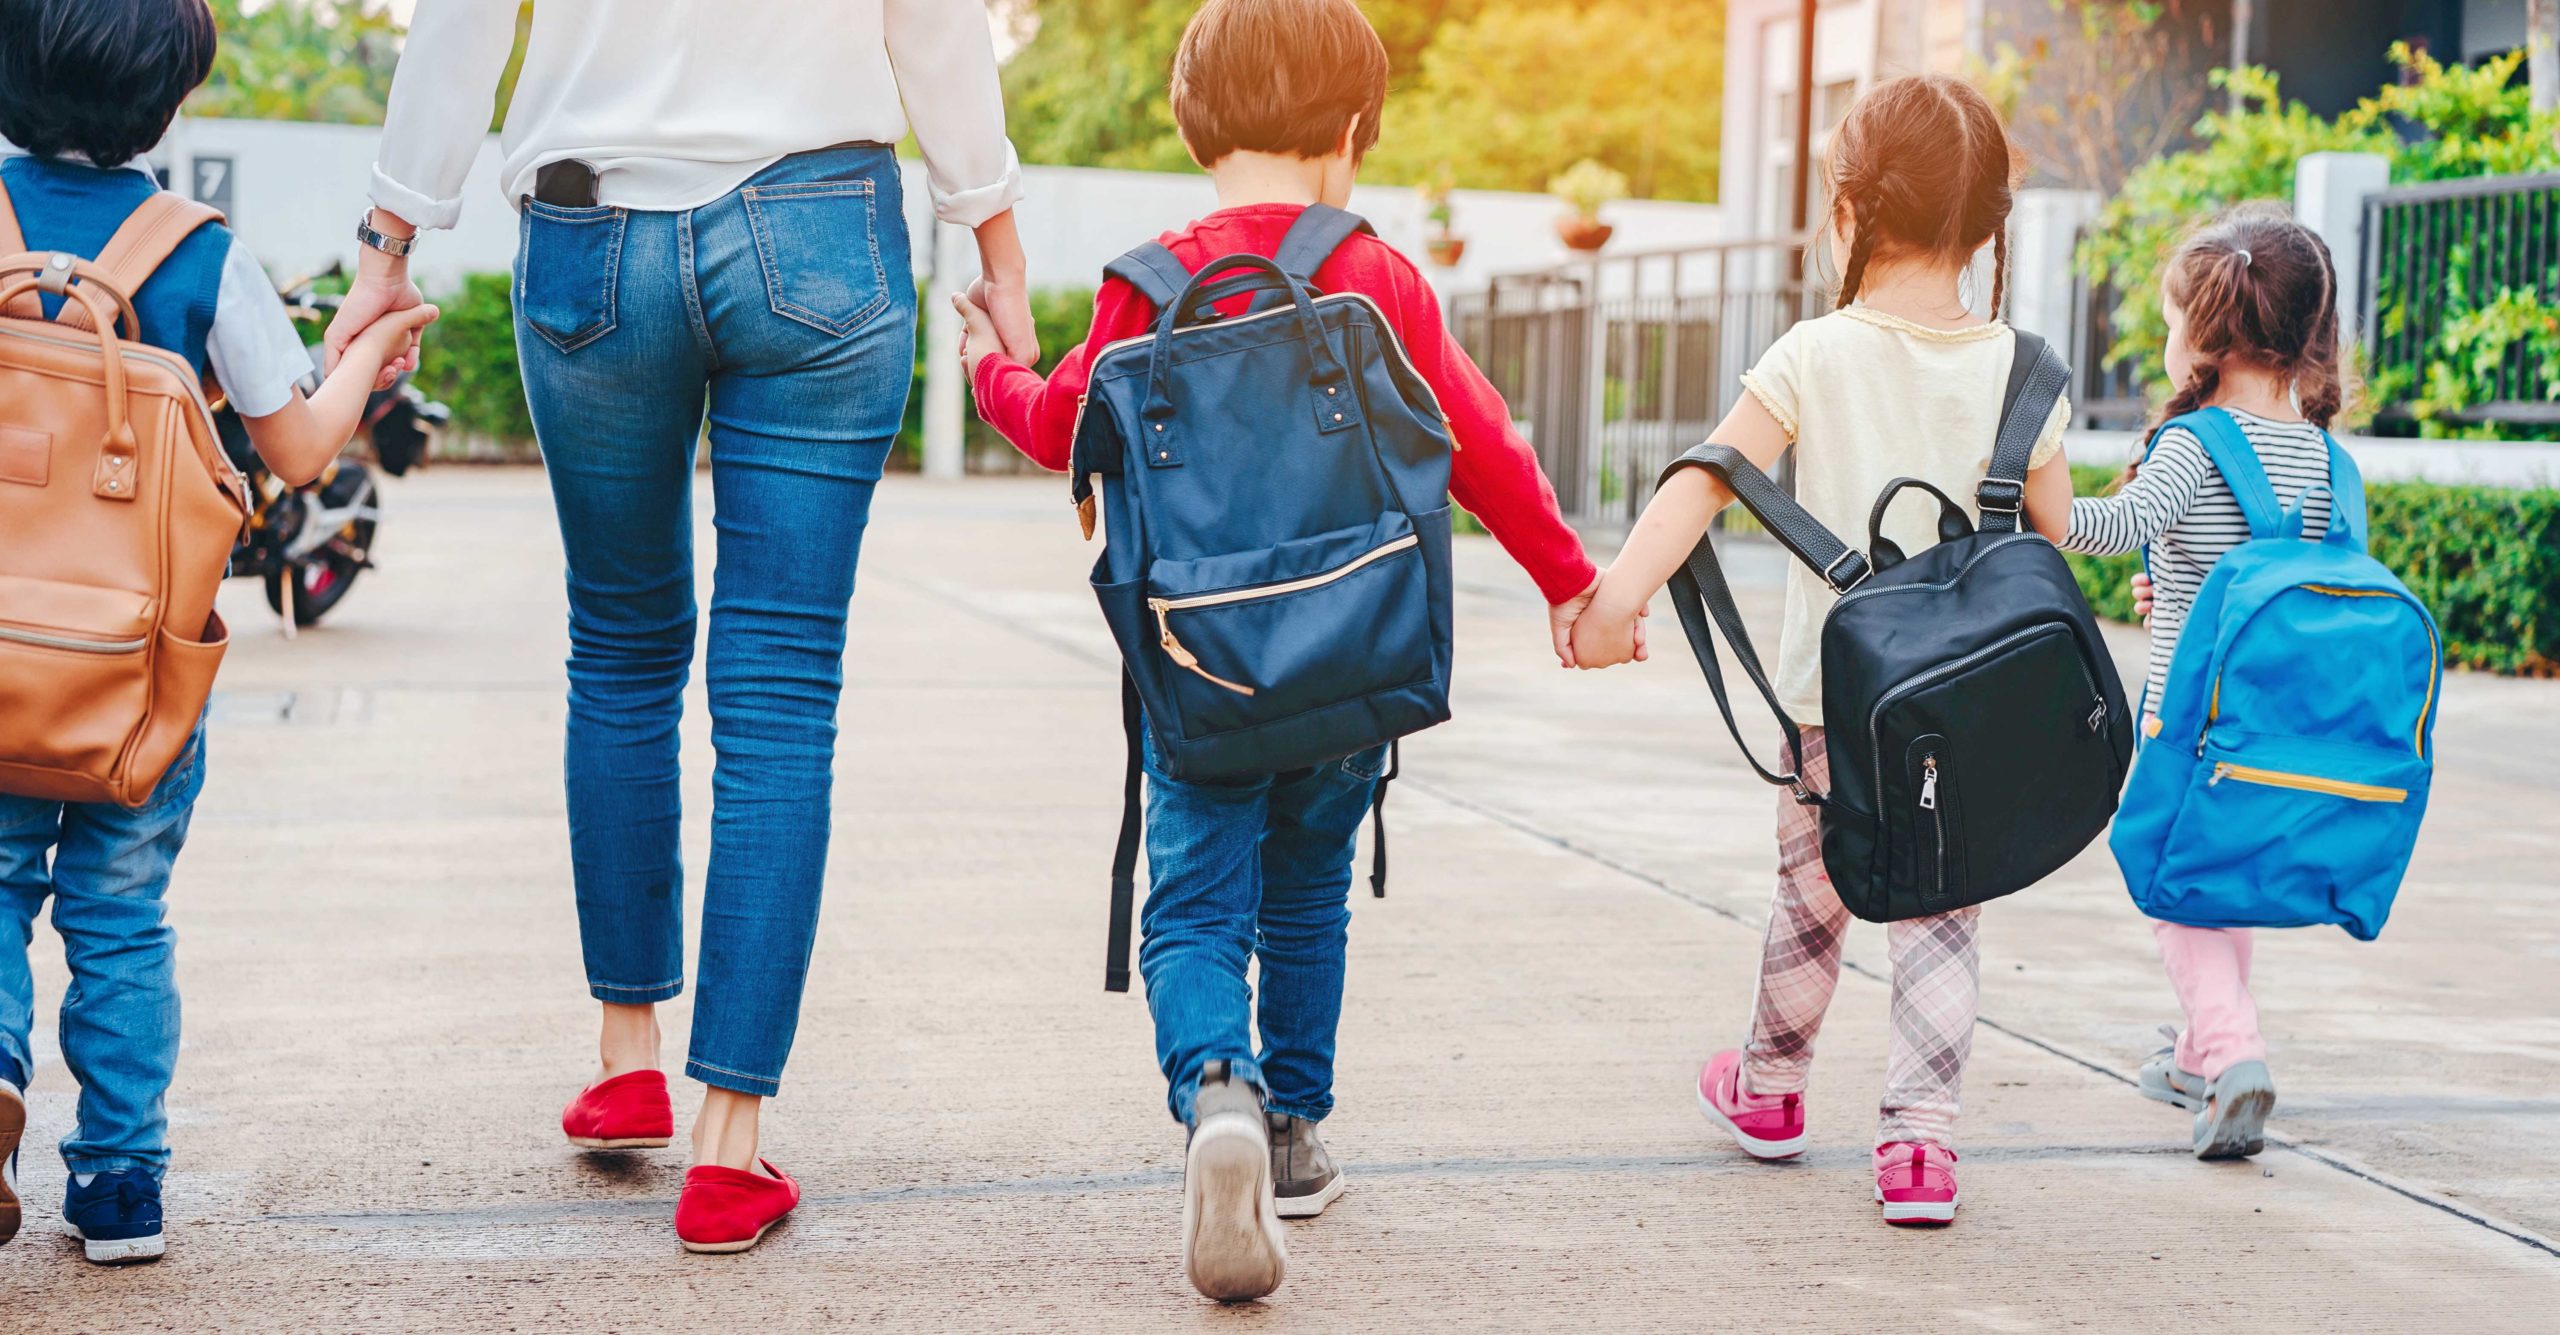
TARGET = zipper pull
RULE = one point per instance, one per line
(2220, 772)
(1181, 656)
(1929, 783)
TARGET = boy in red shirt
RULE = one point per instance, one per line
(1279, 100)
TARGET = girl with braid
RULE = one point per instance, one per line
(2252, 309)
(1904, 379)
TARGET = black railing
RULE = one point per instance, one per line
(1615, 365)
(2436, 252)
(2104, 394)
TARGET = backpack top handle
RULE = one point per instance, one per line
(1333, 410)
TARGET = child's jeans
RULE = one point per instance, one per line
(1252, 869)
(108, 874)
(1936, 983)
(2209, 969)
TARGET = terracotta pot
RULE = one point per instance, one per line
(1446, 251)
(1583, 233)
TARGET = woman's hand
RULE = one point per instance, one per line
(1003, 291)
(381, 287)
(978, 335)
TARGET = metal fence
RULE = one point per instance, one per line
(2104, 394)
(2437, 251)
(1615, 365)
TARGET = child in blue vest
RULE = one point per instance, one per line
(2251, 304)
(86, 87)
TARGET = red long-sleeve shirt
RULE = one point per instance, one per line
(1494, 474)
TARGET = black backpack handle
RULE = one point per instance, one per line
(1334, 408)
(1885, 552)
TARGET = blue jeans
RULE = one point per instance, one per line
(783, 311)
(1252, 869)
(106, 869)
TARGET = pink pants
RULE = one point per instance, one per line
(1936, 984)
(2209, 970)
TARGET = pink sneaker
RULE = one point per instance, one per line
(1765, 1127)
(1916, 1183)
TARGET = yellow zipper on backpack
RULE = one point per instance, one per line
(2309, 783)
(1166, 607)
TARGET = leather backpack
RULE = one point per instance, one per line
(117, 515)
(1977, 731)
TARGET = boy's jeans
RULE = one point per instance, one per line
(787, 307)
(1241, 869)
(107, 871)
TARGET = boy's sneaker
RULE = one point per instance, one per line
(1231, 1240)
(631, 1111)
(2163, 1079)
(117, 1216)
(1766, 1127)
(2233, 1122)
(13, 1124)
(1916, 1182)
(1304, 1178)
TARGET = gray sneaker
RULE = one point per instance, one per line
(2233, 1122)
(1303, 1174)
(1231, 1241)
(2162, 1078)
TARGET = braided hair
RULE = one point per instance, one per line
(2258, 289)
(1923, 166)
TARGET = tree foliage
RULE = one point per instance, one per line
(2441, 122)
(1506, 94)
(301, 60)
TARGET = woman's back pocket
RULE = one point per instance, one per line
(568, 267)
(818, 247)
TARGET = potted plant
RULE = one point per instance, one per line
(1445, 245)
(1586, 187)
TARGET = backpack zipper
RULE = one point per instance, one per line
(76, 646)
(1937, 815)
(1166, 607)
(2309, 783)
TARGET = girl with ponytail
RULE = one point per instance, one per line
(1904, 378)
(2251, 301)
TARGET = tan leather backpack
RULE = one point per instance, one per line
(117, 514)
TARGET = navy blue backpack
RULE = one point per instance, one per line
(1274, 488)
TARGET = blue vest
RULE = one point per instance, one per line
(72, 207)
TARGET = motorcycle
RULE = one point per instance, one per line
(309, 543)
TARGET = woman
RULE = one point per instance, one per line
(711, 215)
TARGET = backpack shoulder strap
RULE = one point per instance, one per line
(12, 241)
(136, 250)
(2347, 523)
(2237, 460)
(1154, 271)
(1312, 239)
(2037, 377)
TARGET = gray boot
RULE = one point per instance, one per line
(1231, 1241)
(2233, 1122)
(1303, 1174)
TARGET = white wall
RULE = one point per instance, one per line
(296, 189)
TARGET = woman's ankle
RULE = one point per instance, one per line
(725, 1132)
(627, 1040)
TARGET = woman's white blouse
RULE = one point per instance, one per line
(678, 101)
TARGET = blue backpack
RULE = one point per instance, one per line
(1275, 501)
(2284, 785)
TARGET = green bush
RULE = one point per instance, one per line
(469, 363)
(2484, 560)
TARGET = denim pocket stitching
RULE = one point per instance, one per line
(1352, 769)
(609, 319)
(762, 229)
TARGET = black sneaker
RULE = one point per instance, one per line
(1304, 1179)
(1231, 1240)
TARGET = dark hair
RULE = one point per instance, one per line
(2257, 288)
(100, 78)
(1922, 164)
(1278, 76)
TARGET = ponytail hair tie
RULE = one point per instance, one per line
(2243, 253)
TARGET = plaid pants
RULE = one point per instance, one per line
(1936, 984)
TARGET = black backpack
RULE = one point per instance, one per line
(1977, 731)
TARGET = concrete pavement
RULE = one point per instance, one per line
(384, 1013)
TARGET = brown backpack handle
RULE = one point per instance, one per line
(116, 477)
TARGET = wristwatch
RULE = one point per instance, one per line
(397, 247)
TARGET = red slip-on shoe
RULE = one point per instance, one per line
(728, 1209)
(628, 1112)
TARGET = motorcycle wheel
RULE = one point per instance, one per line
(321, 580)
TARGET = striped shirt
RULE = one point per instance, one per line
(2179, 506)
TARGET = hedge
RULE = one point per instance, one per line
(2485, 561)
